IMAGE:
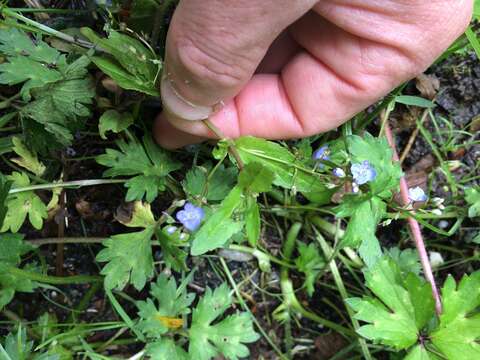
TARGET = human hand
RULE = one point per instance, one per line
(282, 69)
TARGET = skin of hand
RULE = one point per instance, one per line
(281, 69)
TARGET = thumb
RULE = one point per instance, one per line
(213, 48)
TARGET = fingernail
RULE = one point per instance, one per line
(177, 105)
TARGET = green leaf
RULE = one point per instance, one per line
(129, 258)
(131, 65)
(407, 260)
(58, 106)
(393, 315)
(27, 159)
(379, 154)
(172, 304)
(22, 69)
(172, 253)
(458, 333)
(141, 216)
(256, 178)
(147, 160)
(226, 337)
(289, 173)
(252, 220)
(112, 120)
(472, 197)
(5, 185)
(219, 227)
(165, 349)
(123, 78)
(218, 185)
(414, 101)
(365, 214)
(310, 262)
(420, 353)
(23, 204)
(12, 248)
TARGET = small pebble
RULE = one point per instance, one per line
(436, 259)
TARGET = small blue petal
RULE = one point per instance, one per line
(191, 216)
(171, 229)
(338, 172)
(363, 172)
(321, 153)
(417, 194)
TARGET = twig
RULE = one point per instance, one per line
(413, 137)
(415, 227)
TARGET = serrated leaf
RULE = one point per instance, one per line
(58, 106)
(166, 301)
(147, 160)
(407, 260)
(458, 333)
(12, 248)
(27, 159)
(129, 258)
(172, 253)
(22, 69)
(226, 337)
(112, 120)
(289, 173)
(142, 186)
(23, 204)
(472, 197)
(141, 216)
(165, 349)
(392, 317)
(310, 262)
(219, 227)
(379, 154)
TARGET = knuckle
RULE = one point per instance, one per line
(207, 64)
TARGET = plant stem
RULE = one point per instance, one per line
(290, 299)
(231, 145)
(67, 184)
(55, 280)
(415, 227)
(246, 308)
(9, 13)
(256, 253)
(343, 291)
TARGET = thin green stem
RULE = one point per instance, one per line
(68, 184)
(47, 279)
(12, 14)
(246, 308)
(343, 291)
(290, 299)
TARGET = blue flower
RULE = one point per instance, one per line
(363, 172)
(191, 216)
(171, 229)
(417, 194)
(338, 172)
(321, 154)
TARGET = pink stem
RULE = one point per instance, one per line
(415, 228)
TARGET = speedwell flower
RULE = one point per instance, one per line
(338, 172)
(363, 172)
(417, 194)
(191, 216)
(321, 154)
